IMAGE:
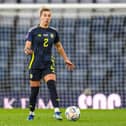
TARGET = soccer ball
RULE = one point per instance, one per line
(72, 113)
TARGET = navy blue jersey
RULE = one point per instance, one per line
(42, 40)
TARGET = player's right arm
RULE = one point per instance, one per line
(27, 48)
(28, 43)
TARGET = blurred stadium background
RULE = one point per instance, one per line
(62, 1)
(93, 38)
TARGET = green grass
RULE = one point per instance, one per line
(17, 117)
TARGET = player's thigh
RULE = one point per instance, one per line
(49, 72)
(50, 76)
(35, 77)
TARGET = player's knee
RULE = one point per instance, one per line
(34, 83)
(50, 77)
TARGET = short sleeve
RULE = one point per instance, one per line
(29, 36)
(57, 39)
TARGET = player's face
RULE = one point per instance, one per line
(45, 18)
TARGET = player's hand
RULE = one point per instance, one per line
(28, 51)
(70, 66)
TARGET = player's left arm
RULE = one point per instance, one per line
(62, 52)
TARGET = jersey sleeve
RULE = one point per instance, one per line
(29, 36)
(57, 39)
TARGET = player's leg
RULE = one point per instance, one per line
(50, 79)
(34, 84)
(33, 97)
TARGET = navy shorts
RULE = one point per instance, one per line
(38, 74)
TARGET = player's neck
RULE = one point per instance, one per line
(43, 26)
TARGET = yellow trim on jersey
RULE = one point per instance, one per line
(52, 67)
(31, 62)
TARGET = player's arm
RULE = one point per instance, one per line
(62, 52)
(27, 48)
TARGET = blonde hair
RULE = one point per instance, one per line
(44, 9)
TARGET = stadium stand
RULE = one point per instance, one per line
(95, 44)
(93, 39)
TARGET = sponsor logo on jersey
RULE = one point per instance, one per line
(45, 35)
(39, 35)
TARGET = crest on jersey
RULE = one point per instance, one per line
(52, 35)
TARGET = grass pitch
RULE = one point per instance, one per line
(18, 117)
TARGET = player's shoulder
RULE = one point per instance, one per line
(33, 28)
(53, 29)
